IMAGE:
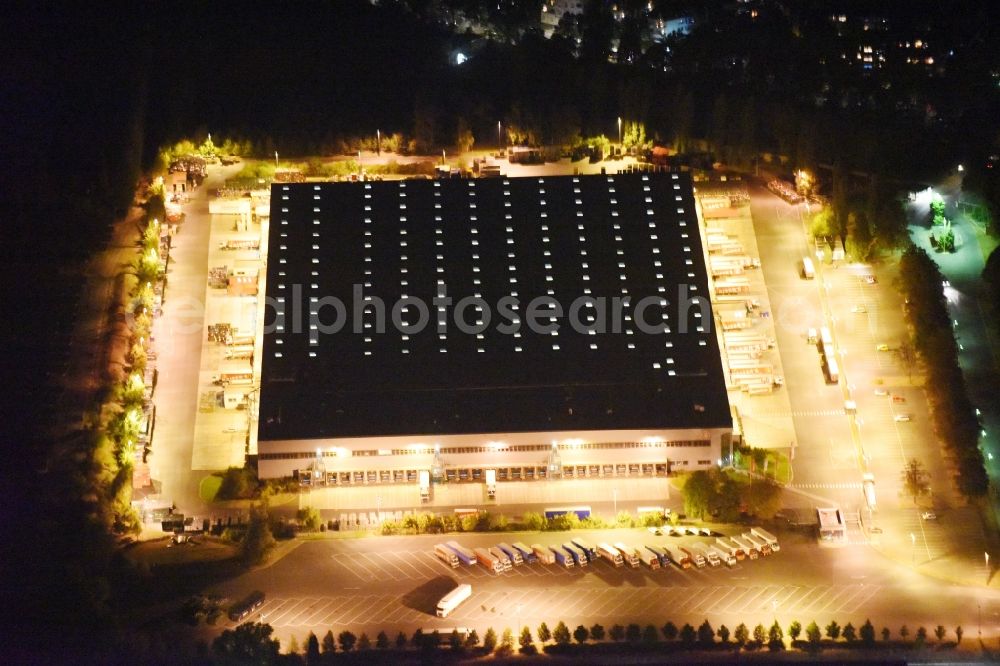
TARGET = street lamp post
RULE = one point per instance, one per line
(500, 145)
(987, 558)
(913, 550)
(378, 142)
(619, 132)
(276, 159)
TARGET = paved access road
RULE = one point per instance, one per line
(393, 584)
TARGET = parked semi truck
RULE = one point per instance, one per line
(511, 552)
(769, 538)
(446, 555)
(579, 554)
(527, 554)
(425, 485)
(629, 554)
(451, 600)
(728, 546)
(710, 556)
(487, 560)
(491, 483)
(663, 554)
(762, 546)
(724, 556)
(611, 554)
(563, 557)
(587, 547)
(678, 557)
(697, 559)
(505, 563)
(465, 556)
(544, 554)
(581, 512)
(648, 557)
(747, 547)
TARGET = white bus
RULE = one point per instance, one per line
(451, 600)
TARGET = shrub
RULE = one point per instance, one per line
(533, 521)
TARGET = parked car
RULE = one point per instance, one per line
(903, 418)
(928, 515)
(881, 392)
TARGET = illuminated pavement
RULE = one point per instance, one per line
(393, 583)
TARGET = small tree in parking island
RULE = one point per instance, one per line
(904, 632)
(581, 634)
(617, 633)
(688, 635)
(795, 630)
(650, 634)
(633, 633)
(506, 646)
(833, 630)
(742, 635)
(775, 638)
(312, 649)
(886, 633)
(597, 632)
(723, 634)
(561, 634)
(472, 640)
(867, 632)
(850, 634)
(544, 635)
(669, 631)
(921, 636)
(489, 641)
(329, 643)
(347, 641)
(813, 635)
(526, 642)
(364, 643)
(759, 634)
(959, 632)
(706, 634)
(940, 632)
(401, 640)
(382, 641)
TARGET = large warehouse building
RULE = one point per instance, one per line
(624, 379)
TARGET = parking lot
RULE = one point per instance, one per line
(394, 583)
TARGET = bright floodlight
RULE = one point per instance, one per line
(460, 58)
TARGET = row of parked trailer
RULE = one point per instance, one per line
(578, 552)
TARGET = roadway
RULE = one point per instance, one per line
(393, 584)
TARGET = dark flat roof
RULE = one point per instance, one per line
(610, 236)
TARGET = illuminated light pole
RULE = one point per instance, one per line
(987, 557)
(500, 145)
(378, 142)
(276, 159)
(913, 550)
(619, 132)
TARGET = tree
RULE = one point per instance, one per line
(312, 649)
(850, 634)
(959, 632)
(904, 632)
(309, 518)
(489, 641)
(669, 631)
(561, 634)
(506, 643)
(382, 641)
(633, 633)
(915, 479)
(472, 640)
(597, 632)
(940, 632)
(794, 630)
(688, 635)
(775, 638)
(293, 645)
(886, 633)
(650, 635)
(581, 634)
(698, 493)
(617, 633)
(246, 644)
(921, 637)
(526, 642)
(258, 542)
(544, 635)
(329, 643)
(706, 634)
(813, 634)
(463, 136)
(455, 641)
(723, 633)
(867, 633)
(533, 521)
(401, 640)
(764, 498)
(742, 634)
(347, 641)
(833, 630)
(759, 634)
